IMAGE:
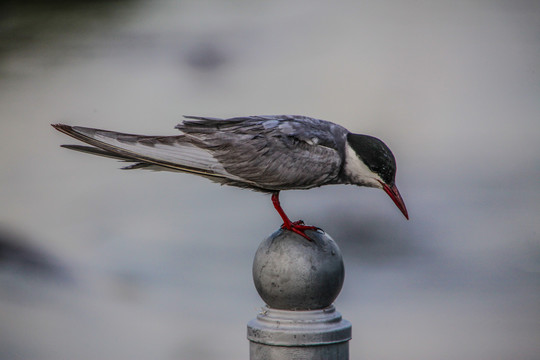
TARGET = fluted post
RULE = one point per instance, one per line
(298, 280)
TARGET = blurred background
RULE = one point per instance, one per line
(99, 263)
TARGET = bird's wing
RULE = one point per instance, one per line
(174, 153)
(265, 153)
(274, 152)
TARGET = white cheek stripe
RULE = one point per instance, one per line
(358, 172)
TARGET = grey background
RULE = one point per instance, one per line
(101, 263)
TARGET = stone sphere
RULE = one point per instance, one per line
(292, 273)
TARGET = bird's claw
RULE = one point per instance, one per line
(299, 228)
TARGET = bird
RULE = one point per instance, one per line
(267, 153)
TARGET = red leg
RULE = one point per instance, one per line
(297, 226)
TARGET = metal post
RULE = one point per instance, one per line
(298, 280)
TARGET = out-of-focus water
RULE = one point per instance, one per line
(158, 265)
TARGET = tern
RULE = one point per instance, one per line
(262, 153)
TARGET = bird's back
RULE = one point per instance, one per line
(276, 152)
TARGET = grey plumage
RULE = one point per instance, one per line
(263, 153)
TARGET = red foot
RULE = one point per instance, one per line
(297, 227)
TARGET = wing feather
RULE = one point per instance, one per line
(276, 152)
(264, 153)
(171, 152)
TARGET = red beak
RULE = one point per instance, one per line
(393, 192)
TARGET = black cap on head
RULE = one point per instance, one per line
(375, 154)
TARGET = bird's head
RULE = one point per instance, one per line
(369, 162)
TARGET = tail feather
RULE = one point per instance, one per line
(174, 153)
(96, 151)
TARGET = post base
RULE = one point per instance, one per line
(310, 334)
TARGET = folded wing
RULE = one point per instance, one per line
(276, 152)
(265, 153)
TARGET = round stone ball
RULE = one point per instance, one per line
(293, 273)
